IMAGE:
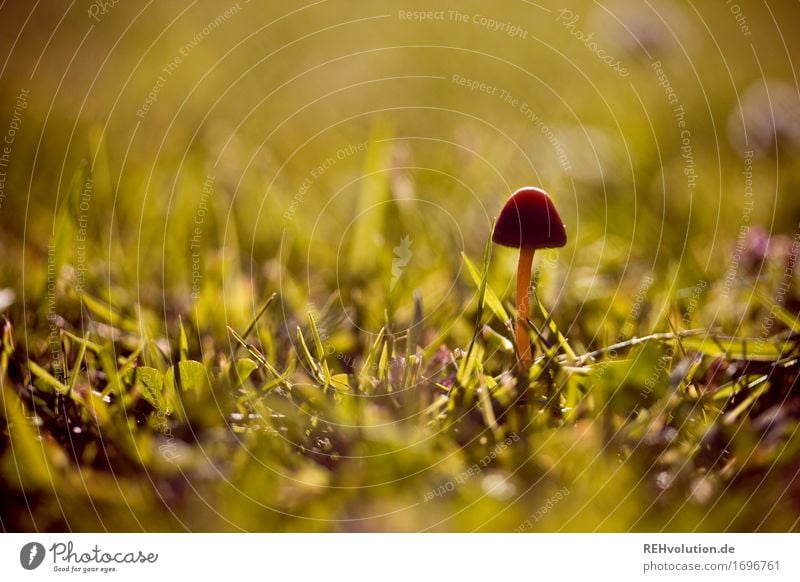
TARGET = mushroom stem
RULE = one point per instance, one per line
(523, 308)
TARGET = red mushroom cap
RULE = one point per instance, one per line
(529, 220)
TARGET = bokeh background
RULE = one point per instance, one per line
(170, 165)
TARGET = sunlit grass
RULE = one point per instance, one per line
(287, 315)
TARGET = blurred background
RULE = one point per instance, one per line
(457, 113)
(189, 158)
(155, 99)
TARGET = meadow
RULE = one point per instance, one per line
(248, 282)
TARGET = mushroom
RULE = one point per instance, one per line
(528, 221)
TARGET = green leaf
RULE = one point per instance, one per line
(244, 367)
(151, 383)
(187, 376)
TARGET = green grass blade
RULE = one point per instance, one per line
(261, 312)
(47, 378)
(737, 348)
(786, 318)
(562, 341)
(487, 411)
(255, 353)
(491, 299)
(320, 348)
(761, 385)
(305, 354)
(371, 205)
(183, 342)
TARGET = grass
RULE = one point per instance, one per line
(235, 316)
(297, 422)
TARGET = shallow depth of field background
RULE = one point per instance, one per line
(168, 166)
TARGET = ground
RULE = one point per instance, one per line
(248, 282)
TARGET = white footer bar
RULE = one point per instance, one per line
(401, 557)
